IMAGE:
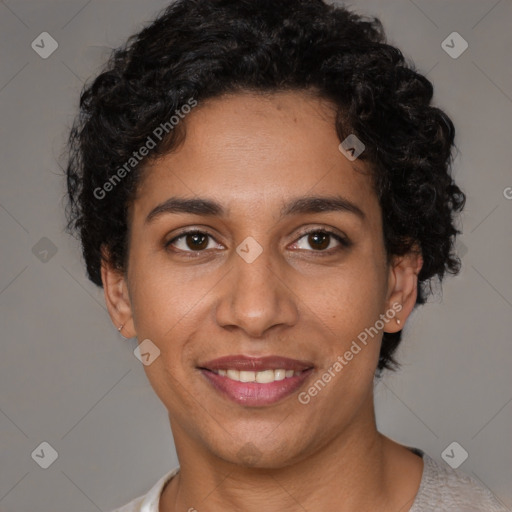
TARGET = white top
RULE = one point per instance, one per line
(442, 489)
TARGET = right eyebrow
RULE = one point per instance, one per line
(205, 207)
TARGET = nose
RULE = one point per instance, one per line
(255, 296)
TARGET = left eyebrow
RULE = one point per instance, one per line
(300, 205)
(316, 204)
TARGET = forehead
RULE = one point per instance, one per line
(252, 151)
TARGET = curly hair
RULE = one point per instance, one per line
(206, 48)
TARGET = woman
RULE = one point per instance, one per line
(263, 191)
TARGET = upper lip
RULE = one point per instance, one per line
(248, 363)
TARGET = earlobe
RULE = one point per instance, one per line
(403, 287)
(117, 299)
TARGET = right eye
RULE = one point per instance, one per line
(191, 241)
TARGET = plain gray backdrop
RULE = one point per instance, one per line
(68, 379)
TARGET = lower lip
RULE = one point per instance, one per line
(254, 394)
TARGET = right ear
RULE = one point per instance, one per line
(117, 297)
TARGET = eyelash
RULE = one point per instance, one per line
(344, 242)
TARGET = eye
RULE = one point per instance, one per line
(322, 240)
(191, 241)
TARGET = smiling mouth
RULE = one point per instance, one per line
(262, 377)
(256, 382)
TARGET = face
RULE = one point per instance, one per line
(261, 272)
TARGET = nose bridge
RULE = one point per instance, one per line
(256, 297)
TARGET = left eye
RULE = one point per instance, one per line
(321, 241)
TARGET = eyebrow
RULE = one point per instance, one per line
(300, 205)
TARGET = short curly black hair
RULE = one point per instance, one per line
(206, 48)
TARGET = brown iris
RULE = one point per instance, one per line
(319, 240)
(196, 241)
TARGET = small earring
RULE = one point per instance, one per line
(119, 331)
(398, 321)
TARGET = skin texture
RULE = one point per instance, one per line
(253, 154)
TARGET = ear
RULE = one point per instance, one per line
(403, 287)
(117, 297)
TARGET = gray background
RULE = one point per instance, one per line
(68, 378)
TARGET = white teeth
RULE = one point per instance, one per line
(279, 374)
(233, 374)
(247, 376)
(263, 377)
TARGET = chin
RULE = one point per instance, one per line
(262, 454)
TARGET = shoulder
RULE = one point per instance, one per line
(449, 490)
(149, 502)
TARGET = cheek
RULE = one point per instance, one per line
(348, 299)
(162, 296)
(170, 305)
(346, 310)
(164, 303)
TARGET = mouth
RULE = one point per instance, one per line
(256, 382)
